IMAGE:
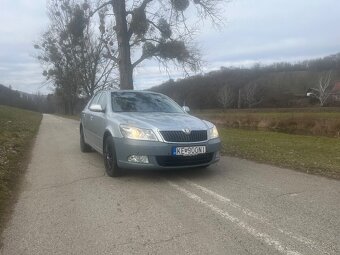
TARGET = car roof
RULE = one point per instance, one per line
(135, 91)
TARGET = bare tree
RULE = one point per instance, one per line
(323, 90)
(239, 98)
(252, 94)
(146, 29)
(226, 96)
(72, 52)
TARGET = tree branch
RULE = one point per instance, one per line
(100, 7)
(141, 59)
(144, 4)
(153, 23)
(141, 7)
(144, 40)
(109, 54)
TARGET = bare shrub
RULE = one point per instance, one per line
(323, 89)
(226, 96)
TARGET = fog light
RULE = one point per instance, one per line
(138, 159)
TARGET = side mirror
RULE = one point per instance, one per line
(186, 108)
(96, 108)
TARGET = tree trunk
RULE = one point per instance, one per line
(239, 99)
(125, 66)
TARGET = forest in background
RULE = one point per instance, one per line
(279, 85)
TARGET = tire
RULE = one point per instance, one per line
(110, 159)
(84, 147)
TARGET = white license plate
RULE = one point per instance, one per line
(188, 151)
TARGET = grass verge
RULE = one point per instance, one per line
(310, 154)
(17, 130)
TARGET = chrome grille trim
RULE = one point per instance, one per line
(180, 136)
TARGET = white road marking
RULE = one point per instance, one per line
(227, 201)
(259, 235)
(311, 244)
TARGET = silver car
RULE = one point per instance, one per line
(146, 130)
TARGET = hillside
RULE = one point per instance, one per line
(21, 99)
(278, 85)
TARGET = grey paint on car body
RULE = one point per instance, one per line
(96, 124)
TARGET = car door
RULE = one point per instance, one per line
(99, 122)
(89, 126)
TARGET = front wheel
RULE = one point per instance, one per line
(84, 147)
(110, 159)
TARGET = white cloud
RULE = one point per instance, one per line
(256, 31)
(21, 22)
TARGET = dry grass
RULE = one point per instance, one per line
(310, 121)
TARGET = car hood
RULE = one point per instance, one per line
(163, 121)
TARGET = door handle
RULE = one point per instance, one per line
(91, 117)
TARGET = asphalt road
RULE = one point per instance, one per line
(69, 206)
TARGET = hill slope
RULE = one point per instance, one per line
(278, 85)
(20, 99)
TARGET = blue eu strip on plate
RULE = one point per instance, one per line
(173, 151)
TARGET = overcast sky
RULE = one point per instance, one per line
(263, 31)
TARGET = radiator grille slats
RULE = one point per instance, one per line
(180, 136)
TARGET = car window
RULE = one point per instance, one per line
(102, 101)
(95, 99)
(143, 102)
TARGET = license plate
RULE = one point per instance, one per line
(188, 151)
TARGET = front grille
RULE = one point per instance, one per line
(184, 160)
(180, 136)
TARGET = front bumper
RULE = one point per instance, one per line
(160, 156)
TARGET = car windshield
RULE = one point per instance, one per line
(143, 102)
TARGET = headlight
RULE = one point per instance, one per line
(138, 133)
(212, 133)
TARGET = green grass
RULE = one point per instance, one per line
(17, 130)
(310, 154)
